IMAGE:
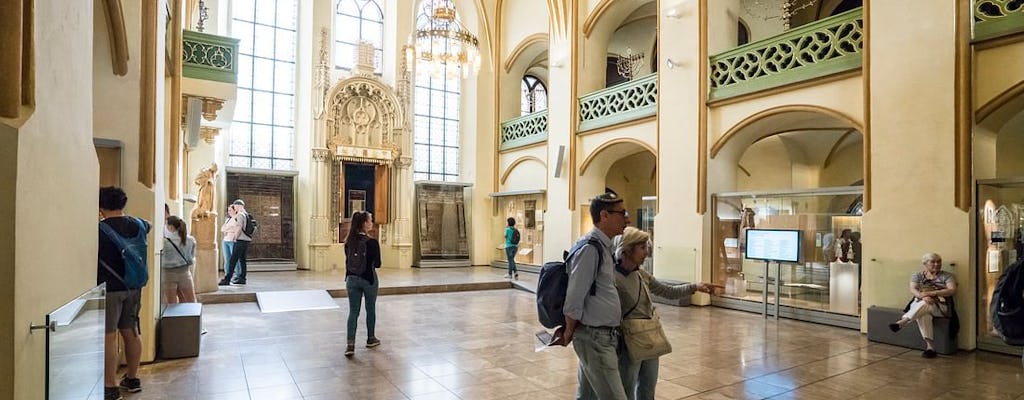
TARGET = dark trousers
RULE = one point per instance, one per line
(238, 254)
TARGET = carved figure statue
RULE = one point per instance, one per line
(204, 200)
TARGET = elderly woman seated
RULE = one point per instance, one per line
(933, 291)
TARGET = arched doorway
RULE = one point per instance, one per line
(791, 168)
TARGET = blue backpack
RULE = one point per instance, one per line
(133, 250)
(554, 281)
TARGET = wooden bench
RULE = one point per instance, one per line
(879, 319)
(180, 330)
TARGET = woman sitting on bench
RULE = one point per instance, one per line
(933, 291)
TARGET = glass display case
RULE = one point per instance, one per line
(1000, 242)
(442, 227)
(827, 277)
(528, 210)
(645, 222)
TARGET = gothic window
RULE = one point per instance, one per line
(534, 95)
(436, 117)
(355, 21)
(262, 133)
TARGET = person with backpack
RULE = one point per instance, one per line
(362, 258)
(511, 248)
(240, 249)
(121, 265)
(176, 263)
(592, 310)
(933, 291)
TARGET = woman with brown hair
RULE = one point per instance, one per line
(362, 258)
(176, 261)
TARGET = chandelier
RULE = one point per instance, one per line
(442, 42)
(769, 9)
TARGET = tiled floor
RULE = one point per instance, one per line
(479, 345)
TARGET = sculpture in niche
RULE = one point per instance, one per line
(204, 199)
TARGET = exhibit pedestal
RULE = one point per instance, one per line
(844, 288)
(207, 255)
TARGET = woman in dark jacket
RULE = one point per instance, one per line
(362, 254)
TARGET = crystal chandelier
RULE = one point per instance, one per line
(443, 43)
(766, 9)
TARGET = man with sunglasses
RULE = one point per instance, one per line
(592, 310)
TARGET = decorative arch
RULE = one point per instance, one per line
(118, 36)
(1000, 100)
(604, 146)
(591, 21)
(526, 43)
(722, 141)
(514, 164)
(364, 118)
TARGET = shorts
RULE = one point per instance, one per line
(123, 310)
(174, 279)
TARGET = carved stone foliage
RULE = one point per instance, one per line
(363, 115)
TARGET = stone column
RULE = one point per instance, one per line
(207, 254)
(321, 157)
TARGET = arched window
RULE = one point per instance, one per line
(534, 96)
(742, 33)
(262, 133)
(355, 21)
(436, 123)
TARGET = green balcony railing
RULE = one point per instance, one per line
(995, 18)
(209, 57)
(821, 48)
(525, 130)
(624, 102)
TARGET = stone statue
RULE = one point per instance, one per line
(204, 200)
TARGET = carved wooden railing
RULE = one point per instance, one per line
(818, 49)
(524, 130)
(209, 57)
(624, 102)
(995, 18)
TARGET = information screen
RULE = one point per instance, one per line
(773, 245)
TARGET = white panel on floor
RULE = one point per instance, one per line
(295, 300)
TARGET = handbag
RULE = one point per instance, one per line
(644, 337)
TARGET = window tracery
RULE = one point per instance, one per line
(534, 96)
(355, 21)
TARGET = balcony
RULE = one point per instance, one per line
(525, 130)
(209, 57)
(997, 18)
(621, 103)
(825, 47)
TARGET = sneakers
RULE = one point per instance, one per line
(506, 276)
(372, 342)
(132, 385)
(350, 350)
(112, 393)
(929, 353)
(223, 282)
(515, 277)
(238, 281)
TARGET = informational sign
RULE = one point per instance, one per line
(773, 245)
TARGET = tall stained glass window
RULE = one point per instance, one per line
(263, 131)
(436, 124)
(534, 95)
(355, 21)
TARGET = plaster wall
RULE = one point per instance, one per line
(520, 19)
(770, 167)
(646, 133)
(1009, 143)
(984, 152)
(996, 70)
(911, 204)
(56, 139)
(632, 177)
(525, 175)
(846, 167)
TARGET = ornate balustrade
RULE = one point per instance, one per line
(995, 18)
(209, 57)
(624, 102)
(525, 130)
(821, 48)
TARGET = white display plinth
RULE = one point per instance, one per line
(844, 288)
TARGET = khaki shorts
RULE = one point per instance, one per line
(175, 279)
(123, 310)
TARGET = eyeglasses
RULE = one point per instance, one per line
(624, 213)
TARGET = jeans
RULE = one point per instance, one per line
(228, 247)
(238, 254)
(510, 254)
(598, 372)
(638, 378)
(357, 289)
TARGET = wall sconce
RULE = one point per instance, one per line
(678, 10)
(672, 64)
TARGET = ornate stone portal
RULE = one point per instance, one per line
(362, 130)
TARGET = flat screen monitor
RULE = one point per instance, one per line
(773, 245)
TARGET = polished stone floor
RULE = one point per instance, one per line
(479, 345)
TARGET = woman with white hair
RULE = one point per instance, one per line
(933, 291)
(635, 287)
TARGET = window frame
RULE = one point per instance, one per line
(527, 90)
(362, 18)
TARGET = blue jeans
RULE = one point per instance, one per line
(357, 289)
(598, 372)
(638, 378)
(510, 254)
(239, 252)
(228, 247)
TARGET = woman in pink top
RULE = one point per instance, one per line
(231, 230)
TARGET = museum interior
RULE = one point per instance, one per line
(872, 131)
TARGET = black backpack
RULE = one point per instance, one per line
(515, 236)
(355, 256)
(250, 225)
(1008, 306)
(553, 282)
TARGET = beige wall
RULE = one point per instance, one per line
(632, 177)
(996, 70)
(55, 140)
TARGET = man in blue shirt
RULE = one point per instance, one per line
(592, 318)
